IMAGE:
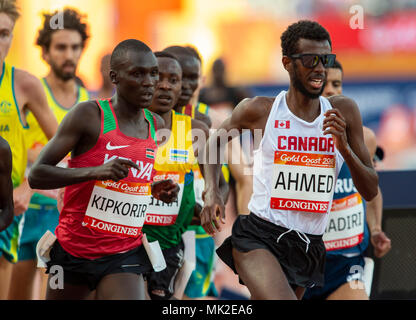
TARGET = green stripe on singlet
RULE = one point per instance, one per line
(109, 121)
(150, 118)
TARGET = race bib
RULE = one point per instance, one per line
(302, 181)
(164, 214)
(345, 228)
(118, 207)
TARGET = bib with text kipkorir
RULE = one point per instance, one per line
(302, 181)
(345, 228)
(164, 214)
(118, 207)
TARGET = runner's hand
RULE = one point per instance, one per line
(115, 170)
(335, 124)
(213, 212)
(165, 190)
(381, 243)
(21, 198)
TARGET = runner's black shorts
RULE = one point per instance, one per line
(165, 280)
(80, 271)
(303, 269)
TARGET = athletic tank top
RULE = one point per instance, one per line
(12, 128)
(35, 135)
(190, 109)
(294, 171)
(101, 218)
(347, 231)
(174, 160)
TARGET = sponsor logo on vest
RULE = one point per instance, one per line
(110, 147)
(5, 106)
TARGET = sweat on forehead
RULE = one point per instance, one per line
(120, 52)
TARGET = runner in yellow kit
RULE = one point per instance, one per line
(20, 92)
(62, 50)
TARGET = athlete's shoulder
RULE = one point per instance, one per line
(342, 102)
(160, 123)
(203, 117)
(26, 81)
(257, 106)
(198, 124)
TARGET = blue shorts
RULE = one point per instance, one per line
(201, 282)
(9, 239)
(338, 270)
(38, 219)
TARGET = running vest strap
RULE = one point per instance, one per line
(347, 231)
(35, 135)
(174, 160)
(101, 218)
(295, 169)
(12, 128)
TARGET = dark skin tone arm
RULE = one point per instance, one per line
(345, 125)
(6, 186)
(223, 185)
(249, 114)
(78, 137)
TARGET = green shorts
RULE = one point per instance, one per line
(38, 219)
(9, 239)
(201, 282)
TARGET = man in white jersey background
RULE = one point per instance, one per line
(278, 250)
(351, 224)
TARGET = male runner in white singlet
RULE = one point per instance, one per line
(277, 250)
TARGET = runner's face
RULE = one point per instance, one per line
(191, 69)
(64, 53)
(6, 35)
(333, 85)
(169, 86)
(137, 78)
(310, 82)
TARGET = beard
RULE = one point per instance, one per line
(299, 86)
(65, 76)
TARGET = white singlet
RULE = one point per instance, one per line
(295, 170)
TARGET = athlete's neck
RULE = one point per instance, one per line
(302, 106)
(126, 111)
(178, 108)
(167, 117)
(66, 92)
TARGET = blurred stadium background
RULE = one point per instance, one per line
(379, 60)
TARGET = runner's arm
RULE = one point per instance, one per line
(345, 124)
(6, 186)
(381, 243)
(30, 87)
(249, 114)
(77, 137)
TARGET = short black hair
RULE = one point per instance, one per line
(125, 46)
(337, 65)
(180, 51)
(305, 29)
(194, 52)
(164, 54)
(72, 20)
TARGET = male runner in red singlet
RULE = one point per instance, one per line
(112, 144)
(6, 185)
(278, 250)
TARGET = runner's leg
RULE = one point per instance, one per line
(263, 275)
(121, 286)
